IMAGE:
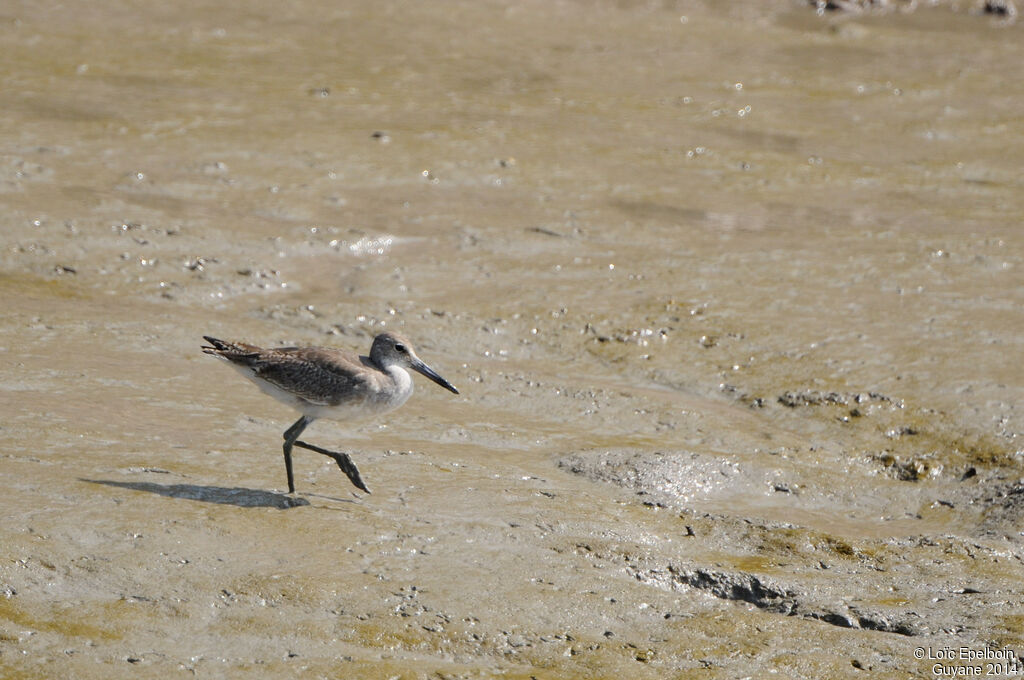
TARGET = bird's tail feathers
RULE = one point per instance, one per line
(233, 351)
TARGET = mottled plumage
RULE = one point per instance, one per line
(321, 382)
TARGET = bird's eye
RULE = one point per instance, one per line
(400, 347)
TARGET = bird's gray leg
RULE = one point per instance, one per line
(343, 461)
(290, 435)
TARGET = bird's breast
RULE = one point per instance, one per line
(400, 389)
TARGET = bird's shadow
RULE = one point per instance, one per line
(242, 497)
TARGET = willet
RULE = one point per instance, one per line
(321, 382)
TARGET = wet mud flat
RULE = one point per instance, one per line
(731, 291)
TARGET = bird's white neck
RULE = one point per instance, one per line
(403, 385)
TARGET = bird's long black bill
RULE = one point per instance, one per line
(422, 368)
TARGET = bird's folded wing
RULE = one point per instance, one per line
(319, 376)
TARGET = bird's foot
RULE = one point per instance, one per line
(343, 461)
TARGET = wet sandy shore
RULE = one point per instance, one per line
(731, 291)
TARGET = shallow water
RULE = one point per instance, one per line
(731, 293)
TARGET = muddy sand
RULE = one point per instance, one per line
(732, 293)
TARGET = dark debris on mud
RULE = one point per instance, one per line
(1005, 9)
(811, 600)
(915, 585)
